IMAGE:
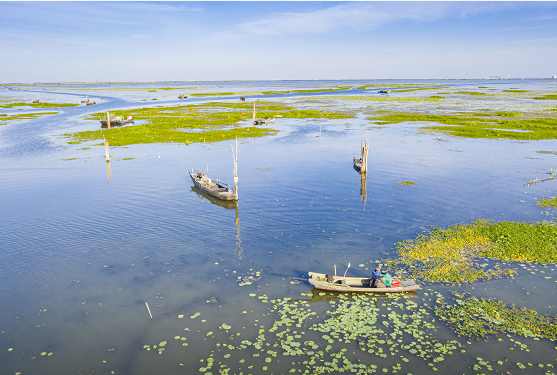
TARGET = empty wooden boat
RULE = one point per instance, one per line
(216, 188)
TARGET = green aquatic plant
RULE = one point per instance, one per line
(546, 202)
(515, 90)
(37, 105)
(405, 183)
(480, 125)
(195, 123)
(4, 119)
(546, 97)
(450, 255)
(471, 93)
(383, 98)
(481, 317)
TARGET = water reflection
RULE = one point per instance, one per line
(108, 171)
(229, 205)
(318, 295)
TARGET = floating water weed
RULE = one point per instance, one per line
(546, 202)
(480, 318)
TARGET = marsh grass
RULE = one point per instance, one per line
(479, 318)
(204, 122)
(37, 105)
(515, 90)
(481, 125)
(450, 255)
(5, 118)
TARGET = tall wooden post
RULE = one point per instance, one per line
(235, 158)
(108, 120)
(364, 157)
(254, 112)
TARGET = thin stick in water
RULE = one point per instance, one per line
(148, 309)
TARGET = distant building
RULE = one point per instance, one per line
(555, 76)
(493, 77)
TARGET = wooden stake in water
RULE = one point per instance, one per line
(235, 158)
(148, 309)
(254, 112)
(108, 120)
(335, 269)
(365, 148)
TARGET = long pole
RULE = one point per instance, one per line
(254, 112)
(235, 157)
(108, 119)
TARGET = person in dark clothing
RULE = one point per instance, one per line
(375, 277)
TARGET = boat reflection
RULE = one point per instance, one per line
(318, 295)
(229, 205)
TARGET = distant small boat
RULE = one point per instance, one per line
(90, 103)
(385, 91)
(182, 96)
(243, 98)
(358, 165)
(217, 189)
(359, 284)
(116, 121)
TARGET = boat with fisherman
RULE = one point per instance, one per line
(344, 284)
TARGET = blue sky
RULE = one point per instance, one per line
(191, 41)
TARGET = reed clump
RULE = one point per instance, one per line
(5, 118)
(38, 105)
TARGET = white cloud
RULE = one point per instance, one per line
(360, 16)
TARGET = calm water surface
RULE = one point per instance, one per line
(81, 254)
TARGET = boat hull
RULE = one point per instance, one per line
(115, 123)
(357, 285)
(358, 165)
(217, 189)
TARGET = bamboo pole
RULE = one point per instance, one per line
(235, 158)
(254, 112)
(364, 157)
(106, 154)
(335, 269)
(148, 309)
(108, 119)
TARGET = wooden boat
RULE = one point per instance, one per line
(385, 91)
(217, 189)
(116, 121)
(359, 284)
(182, 96)
(261, 121)
(358, 165)
(90, 103)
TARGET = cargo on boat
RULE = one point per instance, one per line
(359, 284)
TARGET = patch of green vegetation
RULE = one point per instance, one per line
(195, 123)
(471, 93)
(547, 152)
(38, 105)
(545, 202)
(482, 87)
(152, 90)
(214, 94)
(437, 97)
(480, 317)
(383, 98)
(69, 159)
(547, 97)
(516, 90)
(417, 89)
(128, 158)
(5, 118)
(84, 148)
(473, 126)
(509, 114)
(450, 255)
(405, 183)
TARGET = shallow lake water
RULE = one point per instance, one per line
(82, 253)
